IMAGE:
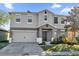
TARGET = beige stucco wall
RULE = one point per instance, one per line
(24, 23)
(37, 20)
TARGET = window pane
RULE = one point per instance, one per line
(29, 20)
(17, 20)
(45, 17)
(62, 22)
(56, 20)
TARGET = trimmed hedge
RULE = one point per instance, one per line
(60, 39)
(3, 44)
(4, 41)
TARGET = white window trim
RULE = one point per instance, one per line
(27, 19)
(29, 22)
(45, 20)
(18, 22)
(17, 14)
(58, 20)
(44, 17)
(61, 22)
(18, 17)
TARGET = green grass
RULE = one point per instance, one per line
(46, 47)
(59, 47)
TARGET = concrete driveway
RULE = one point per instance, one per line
(21, 49)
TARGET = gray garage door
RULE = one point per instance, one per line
(24, 36)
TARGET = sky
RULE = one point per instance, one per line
(58, 8)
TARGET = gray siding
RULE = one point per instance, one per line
(24, 21)
(37, 20)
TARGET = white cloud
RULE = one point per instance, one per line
(55, 5)
(8, 6)
(66, 10)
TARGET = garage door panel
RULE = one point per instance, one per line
(24, 36)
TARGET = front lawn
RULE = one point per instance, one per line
(45, 47)
(61, 47)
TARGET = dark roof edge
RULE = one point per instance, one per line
(39, 12)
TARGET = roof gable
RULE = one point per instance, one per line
(45, 10)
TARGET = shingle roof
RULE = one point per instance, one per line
(37, 12)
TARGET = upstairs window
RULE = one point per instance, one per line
(45, 17)
(18, 17)
(55, 20)
(29, 19)
(62, 21)
(17, 20)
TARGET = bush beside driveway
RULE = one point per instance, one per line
(3, 43)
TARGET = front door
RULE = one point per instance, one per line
(44, 36)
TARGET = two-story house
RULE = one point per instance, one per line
(28, 26)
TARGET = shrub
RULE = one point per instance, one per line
(61, 47)
(2, 41)
(69, 40)
(3, 44)
(77, 38)
(57, 40)
(3, 37)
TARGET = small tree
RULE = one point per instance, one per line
(4, 18)
(73, 24)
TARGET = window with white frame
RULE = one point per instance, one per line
(17, 20)
(45, 17)
(62, 22)
(29, 19)
(18, 17)
(55, 20)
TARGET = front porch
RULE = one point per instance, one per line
(46, 33)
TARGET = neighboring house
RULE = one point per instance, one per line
(4, 34)
(28, 26)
